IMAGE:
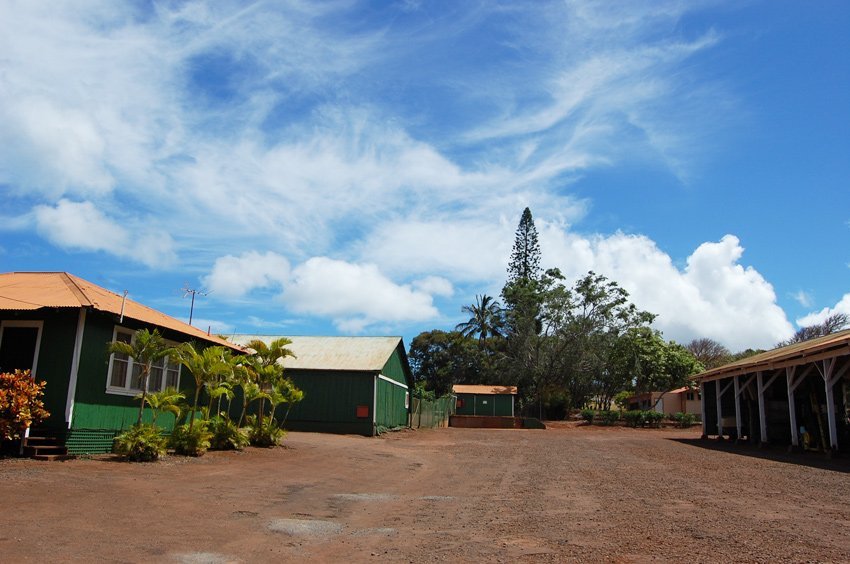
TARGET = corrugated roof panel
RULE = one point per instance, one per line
(480, 389)
(333, 353)
(35, 290)
(797, 353)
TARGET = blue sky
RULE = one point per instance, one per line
(360, 167)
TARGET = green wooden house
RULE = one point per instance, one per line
(356, 385)
(59, 325)
(485, 400)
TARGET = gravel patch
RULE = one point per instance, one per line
(305, 527)
(365, 497)
(204, 558)
(378, 532)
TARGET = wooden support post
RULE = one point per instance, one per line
(762, 414)
(828, 367)
(719, 410)
(702, 409)
(762, 386)
(737, 408)
(792, 411)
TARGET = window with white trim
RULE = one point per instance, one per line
(124, 372)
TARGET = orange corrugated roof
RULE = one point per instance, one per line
(481, 389)
(36, 290)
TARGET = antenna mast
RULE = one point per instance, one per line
(191, 291)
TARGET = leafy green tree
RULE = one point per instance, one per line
(146, 348)
(442, 359)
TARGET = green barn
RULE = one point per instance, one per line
(58, 326)
(352, 385)
(485, 400)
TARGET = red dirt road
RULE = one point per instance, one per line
(565, 494)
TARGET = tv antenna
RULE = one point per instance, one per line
(187, 291)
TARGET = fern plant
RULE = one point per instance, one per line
(226, 435)
(141, 443)
(264, 432)
(191, 440)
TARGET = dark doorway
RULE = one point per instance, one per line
(17, 348)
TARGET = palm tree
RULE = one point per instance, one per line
(486, 319)
(146, 348)
(266, 364)
(206, 366)
(168, 400)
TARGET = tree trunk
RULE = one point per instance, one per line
(144, 378)
(194, 407)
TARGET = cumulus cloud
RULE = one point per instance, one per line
(354, 295)
(712, 296)
(82, 226)
(236, 276)
(843, 306)
(434, 285)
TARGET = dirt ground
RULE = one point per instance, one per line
(570, 493)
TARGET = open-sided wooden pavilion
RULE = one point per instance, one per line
(783, 396)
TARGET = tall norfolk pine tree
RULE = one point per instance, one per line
(525, 257)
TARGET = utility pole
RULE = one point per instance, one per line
(190, 291)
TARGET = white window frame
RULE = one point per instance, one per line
(129, 390)
(26, 323)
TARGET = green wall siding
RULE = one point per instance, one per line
(93, 407)
(395, 370)
(330, 401)
(391, 411)
(486, 404)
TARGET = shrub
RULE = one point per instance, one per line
(684, 420)
(264, 432)
(20, 403)
(194, 442)
(226, 435)
(141, 443)
(609, 417)
(633, 418)
(653, 418)
(588, 415)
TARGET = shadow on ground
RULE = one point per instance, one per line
(777, 453)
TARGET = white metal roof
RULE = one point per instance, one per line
(333, 353)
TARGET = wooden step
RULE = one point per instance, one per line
(37, 441)
(53, 457)
(45, 447)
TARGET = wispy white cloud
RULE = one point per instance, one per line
(803, 298)
(82, 226)
(204, 131)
